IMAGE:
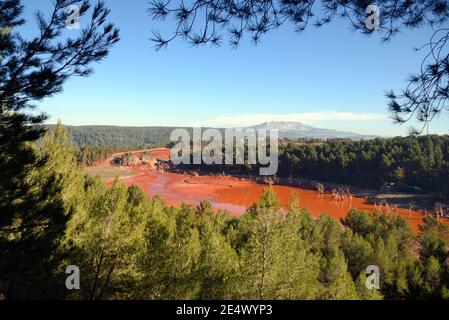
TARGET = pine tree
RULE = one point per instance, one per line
(30, 242)
(101, 238)
(32, 212)
(169, 254)
(275, 263)
(218, 262)
(339, 284)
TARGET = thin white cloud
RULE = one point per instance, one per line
(306, 117)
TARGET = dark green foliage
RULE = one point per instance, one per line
(91, 155)
(383, 240)
(131, 246)
(35, 218)
(434, 253)
(33, 205)
(119, 137)
(409, 163)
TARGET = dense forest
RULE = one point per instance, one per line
(420, 163)
(128, 245)
(119, 137)
(413, 164)
(124, 136)
(132, 246)
(91, 155)
(96, 143)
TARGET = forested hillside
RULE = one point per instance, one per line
(118, 137)
(407, 163)
(414, 163)
(132, 246)
(91, 155)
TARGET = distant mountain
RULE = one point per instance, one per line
(283, 126)
(295, 130)
(116, 136)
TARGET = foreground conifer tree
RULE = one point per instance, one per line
(31, 70)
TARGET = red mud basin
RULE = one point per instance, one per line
(236, 195)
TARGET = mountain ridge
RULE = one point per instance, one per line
(120, 136)
(296, 129)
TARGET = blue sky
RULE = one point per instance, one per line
(330, 78)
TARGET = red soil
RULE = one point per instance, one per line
(236, 195)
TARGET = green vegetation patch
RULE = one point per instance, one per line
(108, 173)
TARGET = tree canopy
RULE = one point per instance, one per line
(31, 201)
(129, 245)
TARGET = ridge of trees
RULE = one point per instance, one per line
(34, 202)
(411, 163)
(118, 137)
(415, 164)
(128, 245)
(132, 246)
